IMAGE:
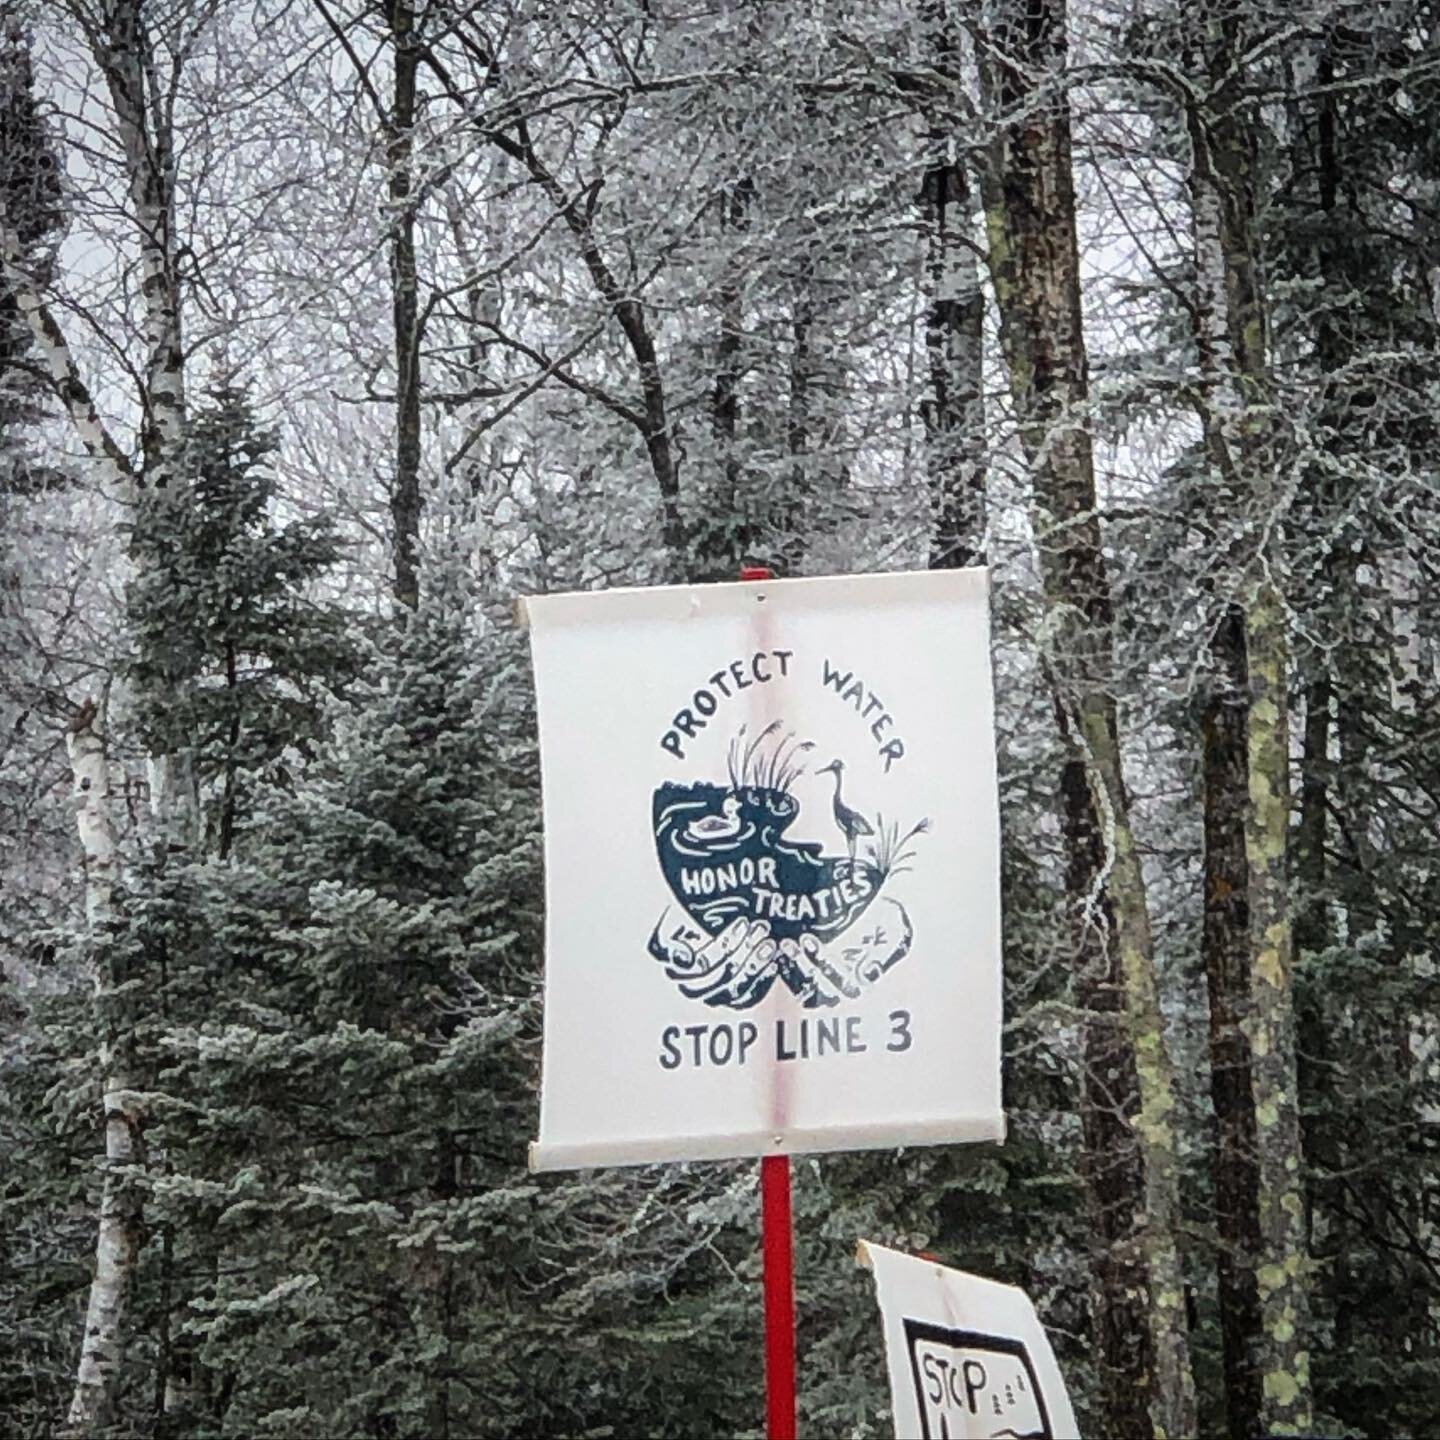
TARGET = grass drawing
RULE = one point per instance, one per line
(892, 852)
(762, 765)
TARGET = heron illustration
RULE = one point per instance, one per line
(851, 822)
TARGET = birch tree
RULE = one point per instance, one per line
(119, 1234)
(398, 117)
(132, 59)
(141, 71)
(953, 411)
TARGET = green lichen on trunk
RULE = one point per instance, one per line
(1029, 203)
(1282, 1279)
(1174, 1414)
(1243, 442)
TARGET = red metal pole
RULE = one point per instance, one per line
(777, 1237)
(777, 1240)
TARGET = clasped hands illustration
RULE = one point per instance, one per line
(737, 967)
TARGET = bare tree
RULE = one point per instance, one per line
(140, 67)
(954, 410)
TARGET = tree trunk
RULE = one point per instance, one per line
(1225, 945)
(1111, 1165)
(1030, 217)
(1226, 937)
(1242, 444)
(1312, 922)
(1282, 1275)
(59, 362)
(953, 411)
(123, 50)
(725, 398)
(405, 498)
(1313, 928)
(125, 53)
(803, 373)
(118, 1239)
(730, 529)
(127, 60)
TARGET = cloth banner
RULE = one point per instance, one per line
(771, 868)
(968, 1358)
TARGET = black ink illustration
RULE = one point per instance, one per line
(753, 906)
(972, 1386)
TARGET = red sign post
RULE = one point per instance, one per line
(705, 870)
(777, 1237)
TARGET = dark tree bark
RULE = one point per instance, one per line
(405, 497)
(1225, 946)
(729, 529)
(1224, 301)
(1111, 1166)
(1243, 444)
(1312, 920)
(725, 400)
(799, 418)
(1029, 195)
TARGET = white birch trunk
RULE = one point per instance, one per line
(118, 1240)
(126, 58)
(143, 124)
(124, 52)
(1400, 577)
(53, 350)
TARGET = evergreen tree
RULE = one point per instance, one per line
(31, 207)
(40, 1146)
(234, 652)
(1362, 326)
(224, 603)
(345, 1079)
(30, 192)
(44, 1229)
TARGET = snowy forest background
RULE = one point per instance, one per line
(328, 326)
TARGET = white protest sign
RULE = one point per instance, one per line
(968, 1358)
(771, 868)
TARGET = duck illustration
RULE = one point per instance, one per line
(717, 827)
(851, 822)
